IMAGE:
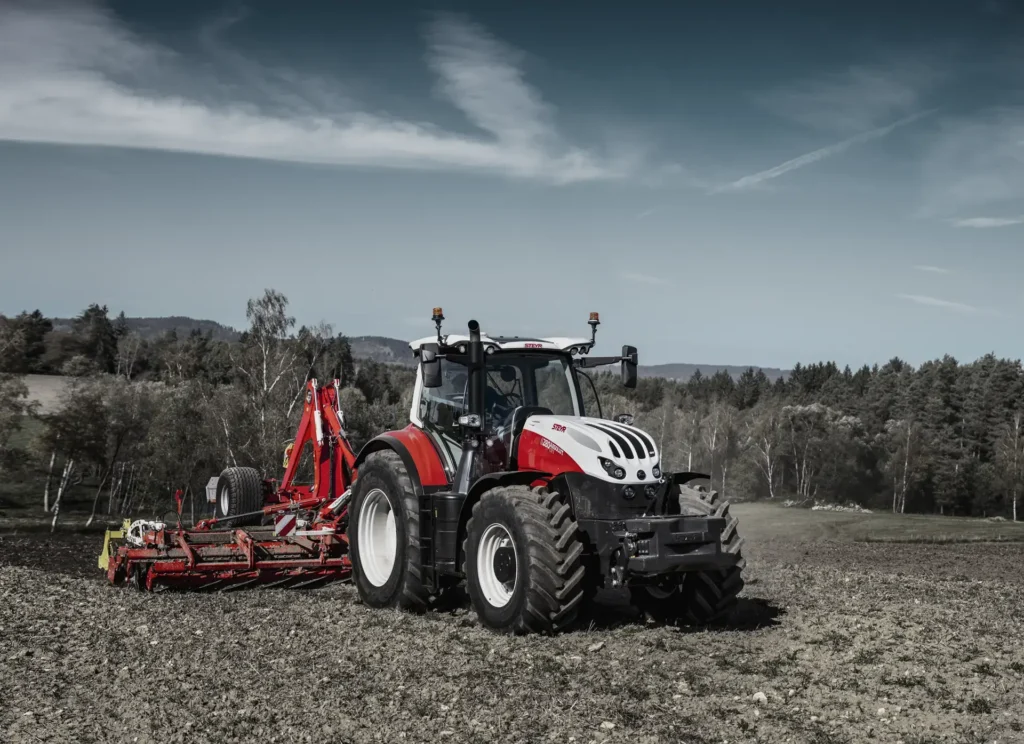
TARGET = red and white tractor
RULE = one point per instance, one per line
(501, 481)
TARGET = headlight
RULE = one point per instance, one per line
(656, 471)
(611, 468)
(628, 492)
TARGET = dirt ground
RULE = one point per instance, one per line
(835, 641)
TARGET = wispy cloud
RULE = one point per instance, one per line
(959, 307)
(975, 164)
(646, 213)
(816, 155)
(75, 75)
(933, 269)
(644, 279)
(984, 222)
(857, 99)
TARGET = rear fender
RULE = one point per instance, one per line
(418, 454)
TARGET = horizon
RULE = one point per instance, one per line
(737, 184)
(785, 368)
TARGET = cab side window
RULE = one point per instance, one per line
(554, 389)
(441, 407)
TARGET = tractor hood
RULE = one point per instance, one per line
(587, 440)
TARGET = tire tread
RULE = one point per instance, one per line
(555, 571)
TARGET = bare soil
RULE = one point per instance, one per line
(835, 641)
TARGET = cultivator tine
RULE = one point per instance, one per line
(310, 583)
(242, 585)
(280, 583)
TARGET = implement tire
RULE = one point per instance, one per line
(703, 597)
(240, 491)
(384, 535)
(523, 561)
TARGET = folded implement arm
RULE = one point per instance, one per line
(300, 540)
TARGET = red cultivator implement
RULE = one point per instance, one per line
(279, 535)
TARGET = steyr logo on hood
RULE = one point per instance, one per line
(558, 427)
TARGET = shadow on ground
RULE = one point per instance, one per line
(613, 610)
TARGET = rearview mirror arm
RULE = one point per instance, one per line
(586, 362)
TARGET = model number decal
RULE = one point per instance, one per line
(558, 427)
(549, 445)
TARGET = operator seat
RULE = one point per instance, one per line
(519, 417)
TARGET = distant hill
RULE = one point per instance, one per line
(395, 351)
(382, 349)
(684, 372)
(151, 328)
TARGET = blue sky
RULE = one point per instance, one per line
(727, 183)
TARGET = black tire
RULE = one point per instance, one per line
(702, 597)
(384, 471)
(548, 572)
(242, 488)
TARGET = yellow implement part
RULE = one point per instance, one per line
(117, 535)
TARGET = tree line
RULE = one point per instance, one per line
(942, 438)
(143, 418)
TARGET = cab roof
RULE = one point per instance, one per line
(509, 343)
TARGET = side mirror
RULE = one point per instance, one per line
(430, 366)
(629, 372)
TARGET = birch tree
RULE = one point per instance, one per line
(903, 445)
(128, 347)
(806, 429)
(265, 366)
(129, 412)
(1010, 458)
(78, 434)
(713, 434)
(764, 441)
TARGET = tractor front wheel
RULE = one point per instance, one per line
(384, 535)
(523, 567)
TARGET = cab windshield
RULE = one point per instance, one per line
(513, 380)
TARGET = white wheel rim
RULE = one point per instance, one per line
(225, 500)
(496, 541)
(377, 538)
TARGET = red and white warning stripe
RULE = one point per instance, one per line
(284, 525)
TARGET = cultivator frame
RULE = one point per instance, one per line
(301, 540)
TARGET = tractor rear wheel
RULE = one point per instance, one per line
(384, 535)
(240, 491)
(523, 561)
(702, 597)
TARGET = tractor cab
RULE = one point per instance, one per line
(515, 379)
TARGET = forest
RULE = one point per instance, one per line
(144, 417)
